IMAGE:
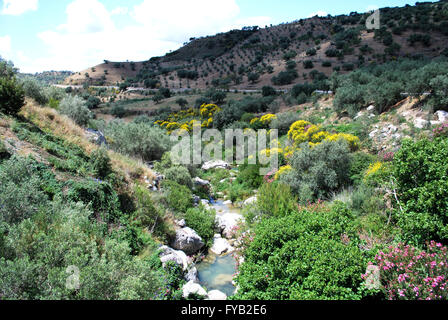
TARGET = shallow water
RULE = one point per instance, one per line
(216, 273)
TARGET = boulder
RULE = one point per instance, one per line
(216, 295)
(199, 182)
(227, 203)
(192, 275)
(420, 123)
(178, 257)
(188, 241)
(219, 164)
(227, 223)
(442, 115)
(192, 287)
(181, 223)
(249, 201)
(220, 245)
(371, 108)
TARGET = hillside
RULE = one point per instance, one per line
(253, 57)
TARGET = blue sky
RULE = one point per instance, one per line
(40, 35)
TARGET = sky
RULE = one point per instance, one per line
(43, 35)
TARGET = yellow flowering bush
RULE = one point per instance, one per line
(282, 171)
(353, 141)
(208, 110)
(267, 119)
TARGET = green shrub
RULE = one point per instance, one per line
(35, 90)
(275, 200)
(307, 255)
(4, 154)
(308, 64)
(284, 122)
(100, 162)
(99, 195)
(250, 176)
(63, 235)
(75, 108)
(358, 166)
(22, 192)
(12, 95)
(137, 139)
(203, 222)
(179, 197)
(179, 174)
(322, 169)
(420, 170)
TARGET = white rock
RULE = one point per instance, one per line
(220, 245)
(205, 202)
(227, 203)
(178, 257)
(181, 223)
(216, 295)
(219, 164)
(188, 241)
(420, 123)
(199, 182)
(192, 275)
(442, 115)
(371, 108)
(193, 288)
(373, 133)
(249, 201)
(227, 222)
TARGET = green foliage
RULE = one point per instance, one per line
(420, 170)
(303, 256)
(41, 249)
(268, 91)
(179, 198)
(4, 154)
(275, 200)
(12, 95)
(284, 122)
(440, 92)
(359, 164)
(99, 195)
(101, 164)
(179, 174)
(75, 108)
(308, 64)
(23, 191)
(203, 222)
(250, 176)
(35, 90)
(137, 139)
(64, 156)
(318, 171)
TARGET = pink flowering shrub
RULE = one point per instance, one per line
(408, 273)
(441, 131)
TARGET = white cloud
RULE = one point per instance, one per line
(5, 47)
(318, 13)
(176, 20)
(372, 7)
(119, 11)
(18, 7)
(90, 34)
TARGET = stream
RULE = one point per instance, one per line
(216, 272)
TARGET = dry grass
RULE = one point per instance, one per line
(51, 121)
